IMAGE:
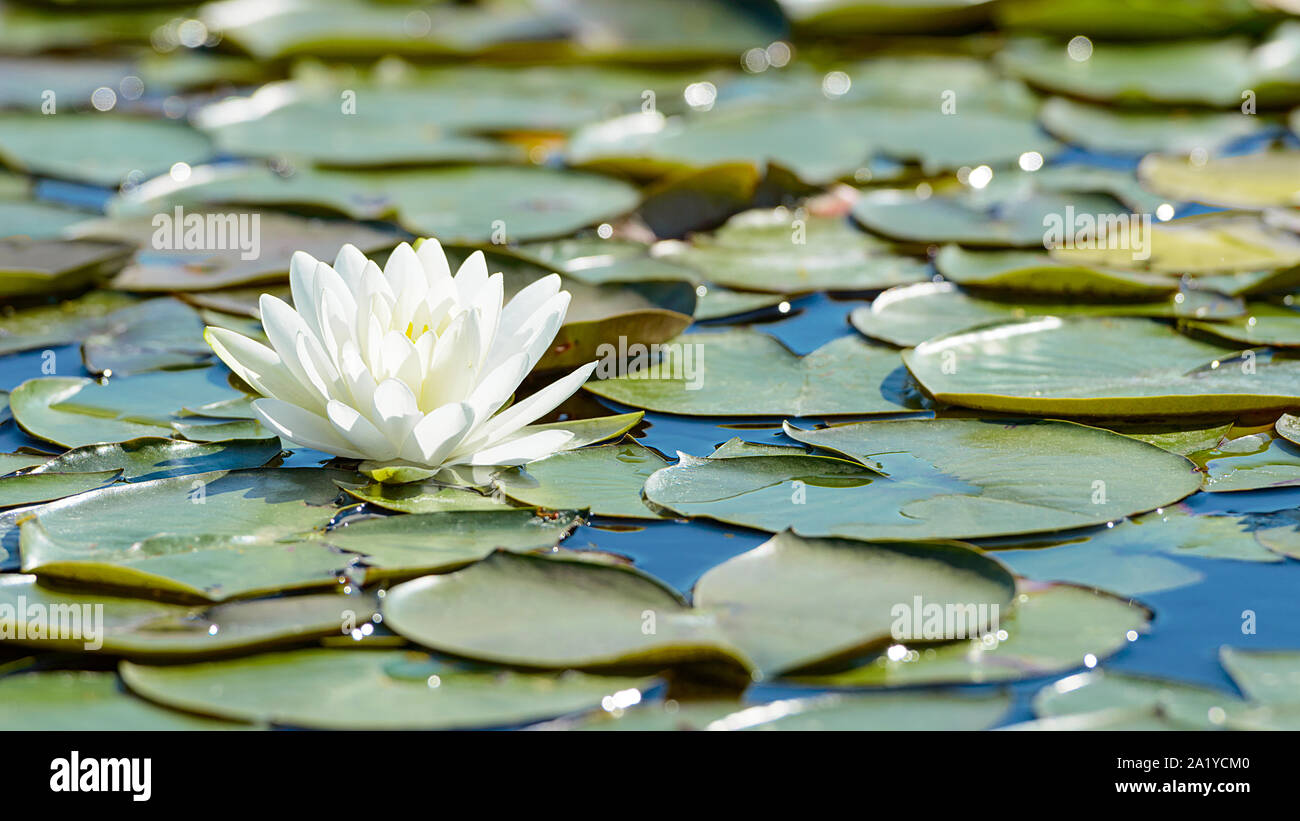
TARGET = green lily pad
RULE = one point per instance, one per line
(72, 411)
(720, 303)
(429, 496)
(1247, 181)
(259, 247)
(1098, 367)
(1182, 439)
(1189, 73)
(41, 266)
(404, 546)
(996, 220)
(910, 314)
(29, 30)
(781, 252)
(467, 205)
(1137, 556)
(48, 326)
(84, 700)
(1146, 719)
(1265, 324)
(97, 148)
(831, 711)
(932, 479)
(36, 220)
(818, 141)
(1186, 704)
(1219, 243)
(1265, 676)
(1128, 132)
(10, 462)
(29, 488)
(747, 373)
(227, 534)
(1053, 628)
(839, 17)
(146, 629)
(1128, 19)
(788, 604)
(1251, 462)
(1034, 272)
(145, 459)
(598, 261)
(156, 334)
(368, 690)
(1288, 427)
(605, 480)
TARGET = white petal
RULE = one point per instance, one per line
(539, 404)
(283, 325)
(523, 449)
(302, 286)
(257, 365)
(396, 410)
(438, 433)
(470, 277)
(349, 264)
(359, 432)
(436, 270)
(303, 427)
(453, 370)
(496, 388)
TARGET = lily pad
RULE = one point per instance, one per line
(599, 261)
(1247, 181)
(606, 480)
(781, 252)
(368, 690)
(30, 488)
(1034, 272)
(787, 604)
(146, 629)
(98, 148)
(1138, 556)
(1219, 243)
(72, 412)
(1129, 19)
(467, 205)
(747, 373)
(1264, 324)
(84, 700)
(36, 220)
(910, 314)
(156, 334)
(41, 266)
(831, 711)
(428, 496)
(228, 534)
(148, 458)
(1251, 462)
(1052, 629)
(1098, 367)
(1186, 704)
(1193, 72)
(48, 326)
(973, 219)
(1265, 676)
(932, 479)
(258, 250)
(1130, 132)
(404, 546)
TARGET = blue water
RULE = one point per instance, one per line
(1191, 623)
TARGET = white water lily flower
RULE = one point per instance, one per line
(409, 367)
